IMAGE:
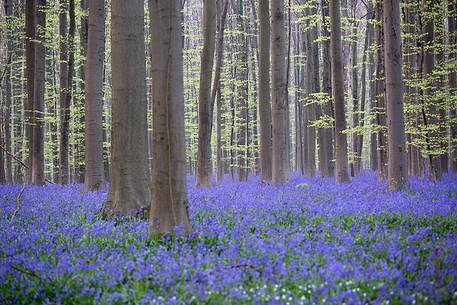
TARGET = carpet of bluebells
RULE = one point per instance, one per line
(311, 241)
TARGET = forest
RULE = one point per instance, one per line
(228, 152)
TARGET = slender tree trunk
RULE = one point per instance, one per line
(264, 91)
(342, 174)
(452, 22)
(204, 101)
(37, 153)
(356, 158)
(372, 80)
(169, 207)
(327, 109)
(280, 158)
(434, 160)
(216, 91)
(8, 4)
(242, 96)
(397, 166)
(83, 40)
(380, 99)
(94, 175)
(129, 181)
(30, 23)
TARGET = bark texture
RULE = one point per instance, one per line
(397, 167)
(169, 197)
(341, 150)
(129, 181)
(94, 176)
(204, 101)
(280, 157)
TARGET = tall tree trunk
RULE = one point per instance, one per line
(452, 23)
(83, 40)
(380, 97)
(30, 23)
(356, 158)
(65, 88)
(8, 96)
(372, 81)
(434, 160)
(327, 108)
(38, 104)
(397, 166)
(94, 175)
(342, 174)
(264, 91)
(169, 207)
(129, 181)
(204, 100)
(216, 91)
(242, 96)
(280, 158)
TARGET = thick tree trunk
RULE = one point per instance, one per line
(397, 166)
(94, 175)
(169, 207)
(204, 100)
(264, 91)
(129, 181)
(342, 171)
(280, 158)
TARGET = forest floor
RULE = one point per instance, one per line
(311, 241)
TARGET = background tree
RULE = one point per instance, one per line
(204, 105)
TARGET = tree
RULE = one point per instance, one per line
(129, 181)
(37, 153)
(452, 26)
(204, 102)
(30, 23)
(94, 176)
(264, 91)
(169, 207)
(216, 91)
(67, 61)
(280, 158)
(397, 167)
(341, 150)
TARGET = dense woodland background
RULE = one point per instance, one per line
(238, 92)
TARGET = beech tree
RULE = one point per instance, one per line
(204, 104)
(341, 165)
(280, 157)
(169, 208)
(264, 91)
(130, 183)
(397, 167)
(94, 176)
